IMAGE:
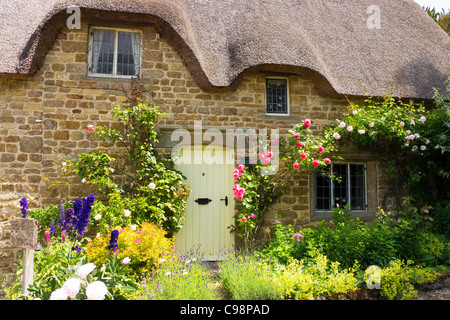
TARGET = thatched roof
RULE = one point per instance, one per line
(327, 40)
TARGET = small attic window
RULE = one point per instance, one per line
(277, 96)
(114, 52)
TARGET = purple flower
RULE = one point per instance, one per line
(61, 219)
(24, 206)
(52, 227)
(83, 217)
(70, 219)
(113, 241)
(76, 248)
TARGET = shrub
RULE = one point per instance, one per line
(143, 245)
(245, 277)
(398, 279)
(314, 277)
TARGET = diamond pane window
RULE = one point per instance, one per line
(276, 96)
(350, 190)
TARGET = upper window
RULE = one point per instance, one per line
(350, 190)
(277, 96)
(115, 52)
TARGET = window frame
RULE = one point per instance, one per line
(116, 44)
(332, 204)
(287, 96)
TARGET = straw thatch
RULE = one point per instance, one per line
(326, 40)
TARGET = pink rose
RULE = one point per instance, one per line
(269, 154)
(307, 123)
(303, 155)
(90, 127)
(299, 144)
(296, 165)
(252, 216)
(327, 161)
(266, 161)
(320, 149)
(296, 135)
(244, 219)
(316, 163)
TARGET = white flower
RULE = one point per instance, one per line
(133, 227)
(437, 146)
(126, 260)
(371, 124)
(361, 131)
(187, 261)
(427, 141)
(152, 185)
(336, 136)
(162, 260)
(355, 112)
(168, 273)
(412, 122)
(83, 180)
(411, 137)
(342, 124)
(96, 291)
(402, 124)
(349, 128)
(416, 135)
(422, 119)
(422, 147)
(103, 268)
(414, 148)
(71, 287)
(126, 213)
(64, 163)
(98, 217)
(408, 131)
(58, 294)
(85, 269)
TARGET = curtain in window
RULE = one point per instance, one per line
(102, 51)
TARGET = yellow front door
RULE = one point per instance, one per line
(210, 207)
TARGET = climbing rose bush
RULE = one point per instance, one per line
(255, 191)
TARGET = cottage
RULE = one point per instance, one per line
(219, 65)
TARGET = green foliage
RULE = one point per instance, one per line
(398, 280)
(441, 219)
(307, 279)
(260, 183)
(245, 277)
(409, 138)
(178, 278)
(144, 245)
(142, 182)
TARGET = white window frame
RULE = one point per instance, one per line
(288, 104)
(348, 190)
(117, 30)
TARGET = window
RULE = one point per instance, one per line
(277, 96)
(351, 190)
(115, 52)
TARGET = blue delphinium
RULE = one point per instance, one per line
(83, 217)
(113, 241)
(52, 227)
(62, 217)
(24, 205)
(69, 220)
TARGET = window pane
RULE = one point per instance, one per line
(102, 51)
(323, 196)
(128, 53)
(358, 187)
(340, 189)
(276, 95)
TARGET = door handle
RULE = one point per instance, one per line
(203, 201)
(226, 200)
